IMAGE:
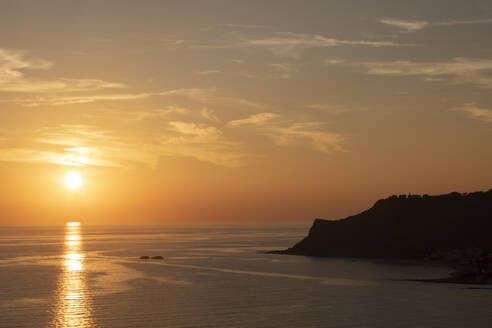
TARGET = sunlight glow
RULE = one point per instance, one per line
(73, 256)
(73, 308)
(73, 265)
(73, 180)
(73, 237)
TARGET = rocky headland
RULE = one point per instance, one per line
(454, 228)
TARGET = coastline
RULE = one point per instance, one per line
(460, 273)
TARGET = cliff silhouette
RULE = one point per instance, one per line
(409, 226)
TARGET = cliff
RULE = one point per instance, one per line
(405, 226)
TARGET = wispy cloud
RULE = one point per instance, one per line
(287, 133)
(202, 142)
(458, 70)
(245, 26)
(13, 79)
(11, 61)
(464, 22)
(57, 100)
(75, 145)
(283, 70)
(407, 26)
(201, 95)
(256, 119)
(209, 114)
(161, 112)
(310, 133)
(333, 61)
(86, 145)
(208, 72)
(211, 96)
(173, 43)
(286, 44)
(293, 44)
(91, 145)
(475, 112)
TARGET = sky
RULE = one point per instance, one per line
(239, 112)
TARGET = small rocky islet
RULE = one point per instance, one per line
(146, 257)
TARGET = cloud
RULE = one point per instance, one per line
(286, 133)
(87, 145)
(464, 22)
(284, 70)
(476, 112)
(163, 112)
(12, 78)
(332, 61)
(91, 145)
(11, 61)
(407, 26)
(173, 43)
(202, 142)
(57, 100)
(245, 26)
(208, 72)
(308, 133)
(293, 44)
(209, 114)
(457, 70)
(201, 95)
(256, 119)
(287, 44)
(76, 145)
(210, 96)
(29, 155)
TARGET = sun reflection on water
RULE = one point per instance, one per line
(73, 307)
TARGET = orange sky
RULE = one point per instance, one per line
(239, 112)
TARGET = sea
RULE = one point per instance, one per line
(215, 276)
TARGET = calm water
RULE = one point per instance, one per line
(78, 276)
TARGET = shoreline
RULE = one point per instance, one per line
(461, 274)
(451, 280)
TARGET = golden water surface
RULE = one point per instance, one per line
(73, 306)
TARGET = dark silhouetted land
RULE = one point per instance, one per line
(455, 229)
(409, 226)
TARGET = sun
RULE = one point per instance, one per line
(73, 180)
